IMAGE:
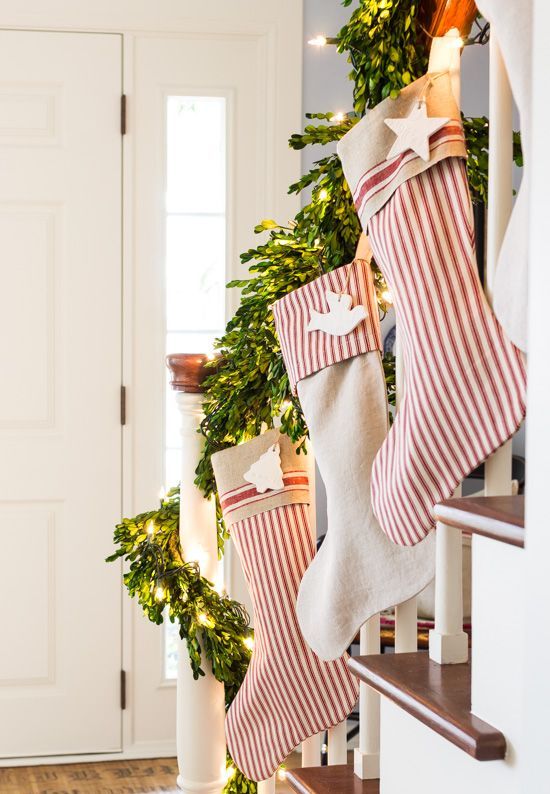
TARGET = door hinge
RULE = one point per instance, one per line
(123, 689)
(123, 114)
(123, 405)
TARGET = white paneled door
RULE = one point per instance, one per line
(60, 369)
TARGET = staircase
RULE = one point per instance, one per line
(452, 727)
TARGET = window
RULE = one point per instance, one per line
(195, 233)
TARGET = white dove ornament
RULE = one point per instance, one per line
(340, 319)
(266, 474)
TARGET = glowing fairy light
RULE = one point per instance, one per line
(318, 41)
(323, 194)
(230, 772)
(205, 620)
(248, 642)
(386, 296)
(159, 593)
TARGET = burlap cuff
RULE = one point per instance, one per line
(240, 499)
(363, 150)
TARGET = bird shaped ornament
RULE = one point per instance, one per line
(414, 131)
(340, 319)
(266, 474)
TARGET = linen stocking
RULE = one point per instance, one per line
(288, 694)
(464, 381)
(340, 382)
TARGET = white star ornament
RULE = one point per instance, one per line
(414, 131)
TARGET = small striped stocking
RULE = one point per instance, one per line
(288, 693)
(464, 381)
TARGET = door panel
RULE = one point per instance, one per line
(60, 368)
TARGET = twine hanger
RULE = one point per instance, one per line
(428, 85)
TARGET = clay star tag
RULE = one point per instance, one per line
(266, 474)
(414, 131)
(341, 319)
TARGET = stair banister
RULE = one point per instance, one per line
(201, 703)
(498, 469)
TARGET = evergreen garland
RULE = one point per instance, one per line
(210, 624)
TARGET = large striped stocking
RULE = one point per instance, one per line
(464, 381)
(340, 383)
(288, 693)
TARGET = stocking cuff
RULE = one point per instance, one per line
(306, 352)
(372, 177)
(241, 499)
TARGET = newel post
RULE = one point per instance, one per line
(200, 704)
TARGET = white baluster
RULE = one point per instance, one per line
(311, 748)
(200, 732)
(405, 613)
(338, 744)
(267, 786)
(406, 632)
(366, 757)
(448, 642)
(498, 468)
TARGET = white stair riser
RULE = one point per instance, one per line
(499, 626)
(413, 758)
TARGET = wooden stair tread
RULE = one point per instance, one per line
(330, 780)
(498, 517)
(437, 695)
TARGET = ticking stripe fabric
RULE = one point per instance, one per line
(363, 150)
(235, 500)
(239, 499)
(306, 352)
(465, 382)
(288, 694)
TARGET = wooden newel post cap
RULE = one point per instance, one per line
(188, 371)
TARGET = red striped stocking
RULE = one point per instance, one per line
(465, 382)
(288, 694)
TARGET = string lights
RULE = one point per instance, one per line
(318, 41)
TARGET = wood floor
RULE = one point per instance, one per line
(113, 777)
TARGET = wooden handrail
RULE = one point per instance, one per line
(188, 371)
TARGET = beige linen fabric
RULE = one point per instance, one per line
(358, 571)
(231, 464)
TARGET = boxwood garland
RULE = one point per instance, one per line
(214, 627)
